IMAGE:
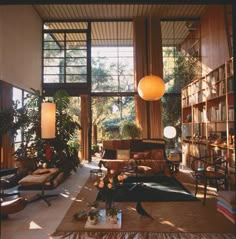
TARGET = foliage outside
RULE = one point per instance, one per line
(130, 130)
(185, 70)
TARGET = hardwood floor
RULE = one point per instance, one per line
(38, 221)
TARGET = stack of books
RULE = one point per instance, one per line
(226, 204)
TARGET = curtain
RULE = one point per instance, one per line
(140, 66)
(156, 64)
(85, 127)
(7, 146)
(148, 59)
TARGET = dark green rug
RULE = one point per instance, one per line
(150, 189)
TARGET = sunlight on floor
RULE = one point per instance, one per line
(64, 195)
(34, 225)
(168, 223)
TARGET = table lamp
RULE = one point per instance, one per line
(170, 134)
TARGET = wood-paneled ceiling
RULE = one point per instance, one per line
(184, 17)
(118, 11)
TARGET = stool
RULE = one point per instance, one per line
(94, 173)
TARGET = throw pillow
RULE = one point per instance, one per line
(141, 155)
(109, 154)
(147, 154)
(138, 155)
(123, 154)
(157, 154)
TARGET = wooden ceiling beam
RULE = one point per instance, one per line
(164, 2)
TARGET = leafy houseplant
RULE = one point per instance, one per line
(112, 211)
(130, 129)
(93, 215)
(28, 118)
(112, 215)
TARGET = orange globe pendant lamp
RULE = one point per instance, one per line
(151, 88)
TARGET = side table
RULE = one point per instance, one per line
(174, 165)
(174, 162)
(94, 173)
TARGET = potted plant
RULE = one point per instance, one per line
(28, 118)
(93, 216)
(112, 215)
(94, 204)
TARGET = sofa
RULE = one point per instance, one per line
(146, 156)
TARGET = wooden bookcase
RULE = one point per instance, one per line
(208, 116)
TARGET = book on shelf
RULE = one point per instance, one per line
(231, 114)
(221, 88)
(217, 113)
(215, 76)
(221, 73)
(230, 68)
(230, 84)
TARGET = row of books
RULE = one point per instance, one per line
(203, 95)
(215, 76)
(215, 90)
(199, 116)
(214, 82)
(217, 113)
(197, 150)
(212, 90)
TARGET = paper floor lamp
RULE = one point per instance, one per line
(48, 124)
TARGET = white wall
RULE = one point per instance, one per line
(20, 46)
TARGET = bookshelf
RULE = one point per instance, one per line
(208, 116)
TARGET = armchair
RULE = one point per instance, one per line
(9, 179)
(205, 172)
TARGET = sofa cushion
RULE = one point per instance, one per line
(138, 155)
(123, 154)
(157, 154)
(109, 154)
(141, 155)
(136, 145)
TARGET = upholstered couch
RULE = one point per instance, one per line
(144, 155)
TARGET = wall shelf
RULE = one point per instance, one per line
(209, 103)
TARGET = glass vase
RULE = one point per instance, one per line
(109, 199)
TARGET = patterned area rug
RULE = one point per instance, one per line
(171, 220)
(151, 189)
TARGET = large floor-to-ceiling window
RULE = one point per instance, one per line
(93, 58)
(96, 58)
(19, 98)
(112, 87)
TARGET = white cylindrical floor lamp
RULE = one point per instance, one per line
(48, 124)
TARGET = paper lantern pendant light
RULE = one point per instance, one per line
(151, 88)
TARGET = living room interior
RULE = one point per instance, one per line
(137, 93)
